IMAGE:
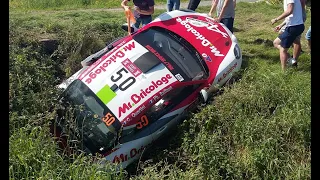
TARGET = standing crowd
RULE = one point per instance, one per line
(290, 30)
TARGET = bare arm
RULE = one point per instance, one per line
(234, 4)
(124, 4)
(225, 3)
(213, 7)
(284, 14)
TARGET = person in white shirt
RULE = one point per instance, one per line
(293, 16)
(297, 42)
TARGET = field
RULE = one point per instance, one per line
(257, 128)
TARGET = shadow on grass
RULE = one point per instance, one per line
(274, 58)
(237, 30)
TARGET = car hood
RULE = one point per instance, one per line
(122, 85)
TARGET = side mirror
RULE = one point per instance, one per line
(203, 96)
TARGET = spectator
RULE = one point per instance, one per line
(225, 12)
(308, 37)
(295, 26)
(193, 4)
(297, 42)
(143, 10)
(173, 4)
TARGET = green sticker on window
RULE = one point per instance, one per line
(106, 94)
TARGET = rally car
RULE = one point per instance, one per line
(142, 85)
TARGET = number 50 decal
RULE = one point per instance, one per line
(125, 84)
(142, 122)
(108, 119)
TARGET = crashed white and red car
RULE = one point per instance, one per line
(139, 87)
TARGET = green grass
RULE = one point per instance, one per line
(258, 128)
(68, 4)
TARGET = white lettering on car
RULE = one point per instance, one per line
(228, 72)
(204, 41)
(210, 26)
(107, 61)
(136, 98)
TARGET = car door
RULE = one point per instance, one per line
(168, 111)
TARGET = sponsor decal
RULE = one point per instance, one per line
(156, 98)
(144, 93)
(209, 25)
(142, 122)
(179, 77)
(169, 66)
(128, 119)
(135, 114)
(108, 119)
(122, 43)
(111, 151)
(101, 67)
(132, 68)
(204, 41)
(124, 82)
(125, 157)
(206, 57)
(106, 94)
(165, 90)
(228, 72)
(196, 22)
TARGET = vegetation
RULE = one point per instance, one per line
(257, 128)
(67, 4)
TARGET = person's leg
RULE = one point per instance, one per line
(177, 4)
(308, 37)
(228, 22)
(283, 43)
(193, 4)
(296, 31)
(146, 20)
(169, 5)
(284, 55)
(138, 22)
(296, 50)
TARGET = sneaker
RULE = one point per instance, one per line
(292, 62)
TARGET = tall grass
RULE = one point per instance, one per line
(256, 128)
(67, 4)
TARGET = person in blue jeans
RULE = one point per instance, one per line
(143, 10)
(225, 12)
(308, 37)
(173, 4)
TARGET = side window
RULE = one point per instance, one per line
(169, 101)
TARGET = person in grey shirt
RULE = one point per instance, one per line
(225, 12)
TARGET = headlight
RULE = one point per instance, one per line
(237, 51)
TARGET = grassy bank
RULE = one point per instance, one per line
(67, 4)
(258, 128)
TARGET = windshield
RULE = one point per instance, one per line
(97, 133)
(175, 52)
